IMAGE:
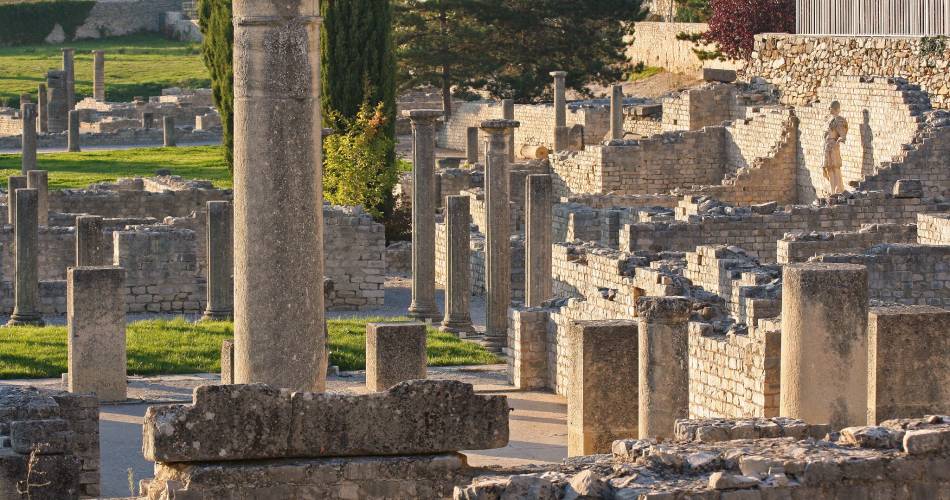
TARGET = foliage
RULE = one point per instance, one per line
(734, 23)
(214, 18)
(692, 11)
(136, 65)
(642, 72)
(78, 170)
(509, 47)
(31, 22)
(177, 346)
(933, 45)
(356, 167)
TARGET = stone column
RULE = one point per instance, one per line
(497, 234)
(25, 98)
(14, 182)
(99, 75)
(471, 145)
(72, 138)
(616, 112)
(56, 97)
(69, 71)
(602, 392)
(39, 180)
(95, 318)
(423, 305)
(539, 204)
(42, 102)
(278, 209)
(28, 138)
(26, 309)
(560, 99)
(458, 273)
(168, 131)
(663, 333)
(825, 343)
(220, 262)
(148, 120)
(508, 113)
(90, 242)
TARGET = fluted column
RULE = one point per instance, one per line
(220, 262)
(458, 273)
(423, 213)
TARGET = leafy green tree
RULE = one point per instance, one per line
(214, 18)
(692, 11)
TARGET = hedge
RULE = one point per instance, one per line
(31, 23)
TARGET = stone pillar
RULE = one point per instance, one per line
(616, 112)
(99, 75)
(471, 145)
(423, 305)
(458, 273)
(220, 262)
(497, 234)
(527, 349)
(508, 113)
(562, 138)
(28, 138)
(25, 98)
(395, 352)
(539, 204)
(42, 102)
(72, 138)
(26, 309)
(279, 337)
(90, 242)
(95, 305)
(227, 362)
(663, 332)
(560, 100)
(39, 180)
(148, 120)
(69, 71)
(824, 343)
(14, 182)
(168, 131)
(602, 393)
(56, 101)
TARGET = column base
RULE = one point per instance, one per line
(210, 315)
(460, 329)
(26, 320)
(74, 149)
(495, 345)
(423, 313)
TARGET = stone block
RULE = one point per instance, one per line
(245, 422)
(719, 75)
(96, 326)
(395, 352)
(46, 437)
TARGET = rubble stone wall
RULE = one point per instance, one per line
(801, 247)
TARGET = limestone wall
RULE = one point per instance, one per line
(698, 107)
(355, 258)
(801, 247)
(655, 44)
(161, 270)
(924, 160)
(122, 17)
(800, 64)
(118, 203)
(933, 229)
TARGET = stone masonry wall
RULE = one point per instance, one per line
(924, 160)
(161, 270)
(355, 258)
(801, 247)
(695, 108)
(933, 229)
(655, 44)
(122, 17)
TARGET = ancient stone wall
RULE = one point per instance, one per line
(161, 270)
(655, 44)
(477, 260)
(933, 229)
(923, 160)
(122, 17)
(799, 247)
(119, 203)
(355, 258)
(699, 107)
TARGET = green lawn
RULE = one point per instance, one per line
(136, 65)
(78, 170)
(177, 346)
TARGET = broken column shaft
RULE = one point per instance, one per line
(663, 331)
(28, 137)
(539, 205)
(220, 262)
(458, 318)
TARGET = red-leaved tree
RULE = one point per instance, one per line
(734, 23)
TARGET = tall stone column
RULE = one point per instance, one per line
(168, 132)
(56, 101)
(99, 75)
(497, 234)
(39, 180)
(825, 343)
(279, 337)
(72, 139)
(616, 112)
(28, 138)
(26, 309)
(663, 332)
(220, 262)
(560, 98)
(14, 182)
(471, 145)
(95, 319)
(508, 113)
(423, 213)
(539, 204)
(90, 244)
(42, 102)
(458, 273)
(69, 70)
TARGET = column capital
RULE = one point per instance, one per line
(497, 126)
(559, 74)
(423, 115)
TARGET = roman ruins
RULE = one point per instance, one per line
(738, 290)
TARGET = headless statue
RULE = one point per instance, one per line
(835, 135)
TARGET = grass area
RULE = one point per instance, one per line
(177, 346)
(136, 65)
(78, 170)
(642, 73)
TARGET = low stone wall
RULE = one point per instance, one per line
(121, 137)
(801, 247)
(355, 258)
(655, 44)
(122, 17)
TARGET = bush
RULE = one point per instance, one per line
(692, 11)
(734, 23)
(29, 23)
(356, 166)
(214, 17)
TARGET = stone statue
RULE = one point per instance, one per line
(835, 135)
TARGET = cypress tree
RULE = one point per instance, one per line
(214, 18)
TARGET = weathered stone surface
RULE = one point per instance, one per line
(95, 298)
(663, 352)
(244, 422)
(395, 352)
(871, 437)
(44, 437)
(924, 441)
(908, 188)
(726, 481)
